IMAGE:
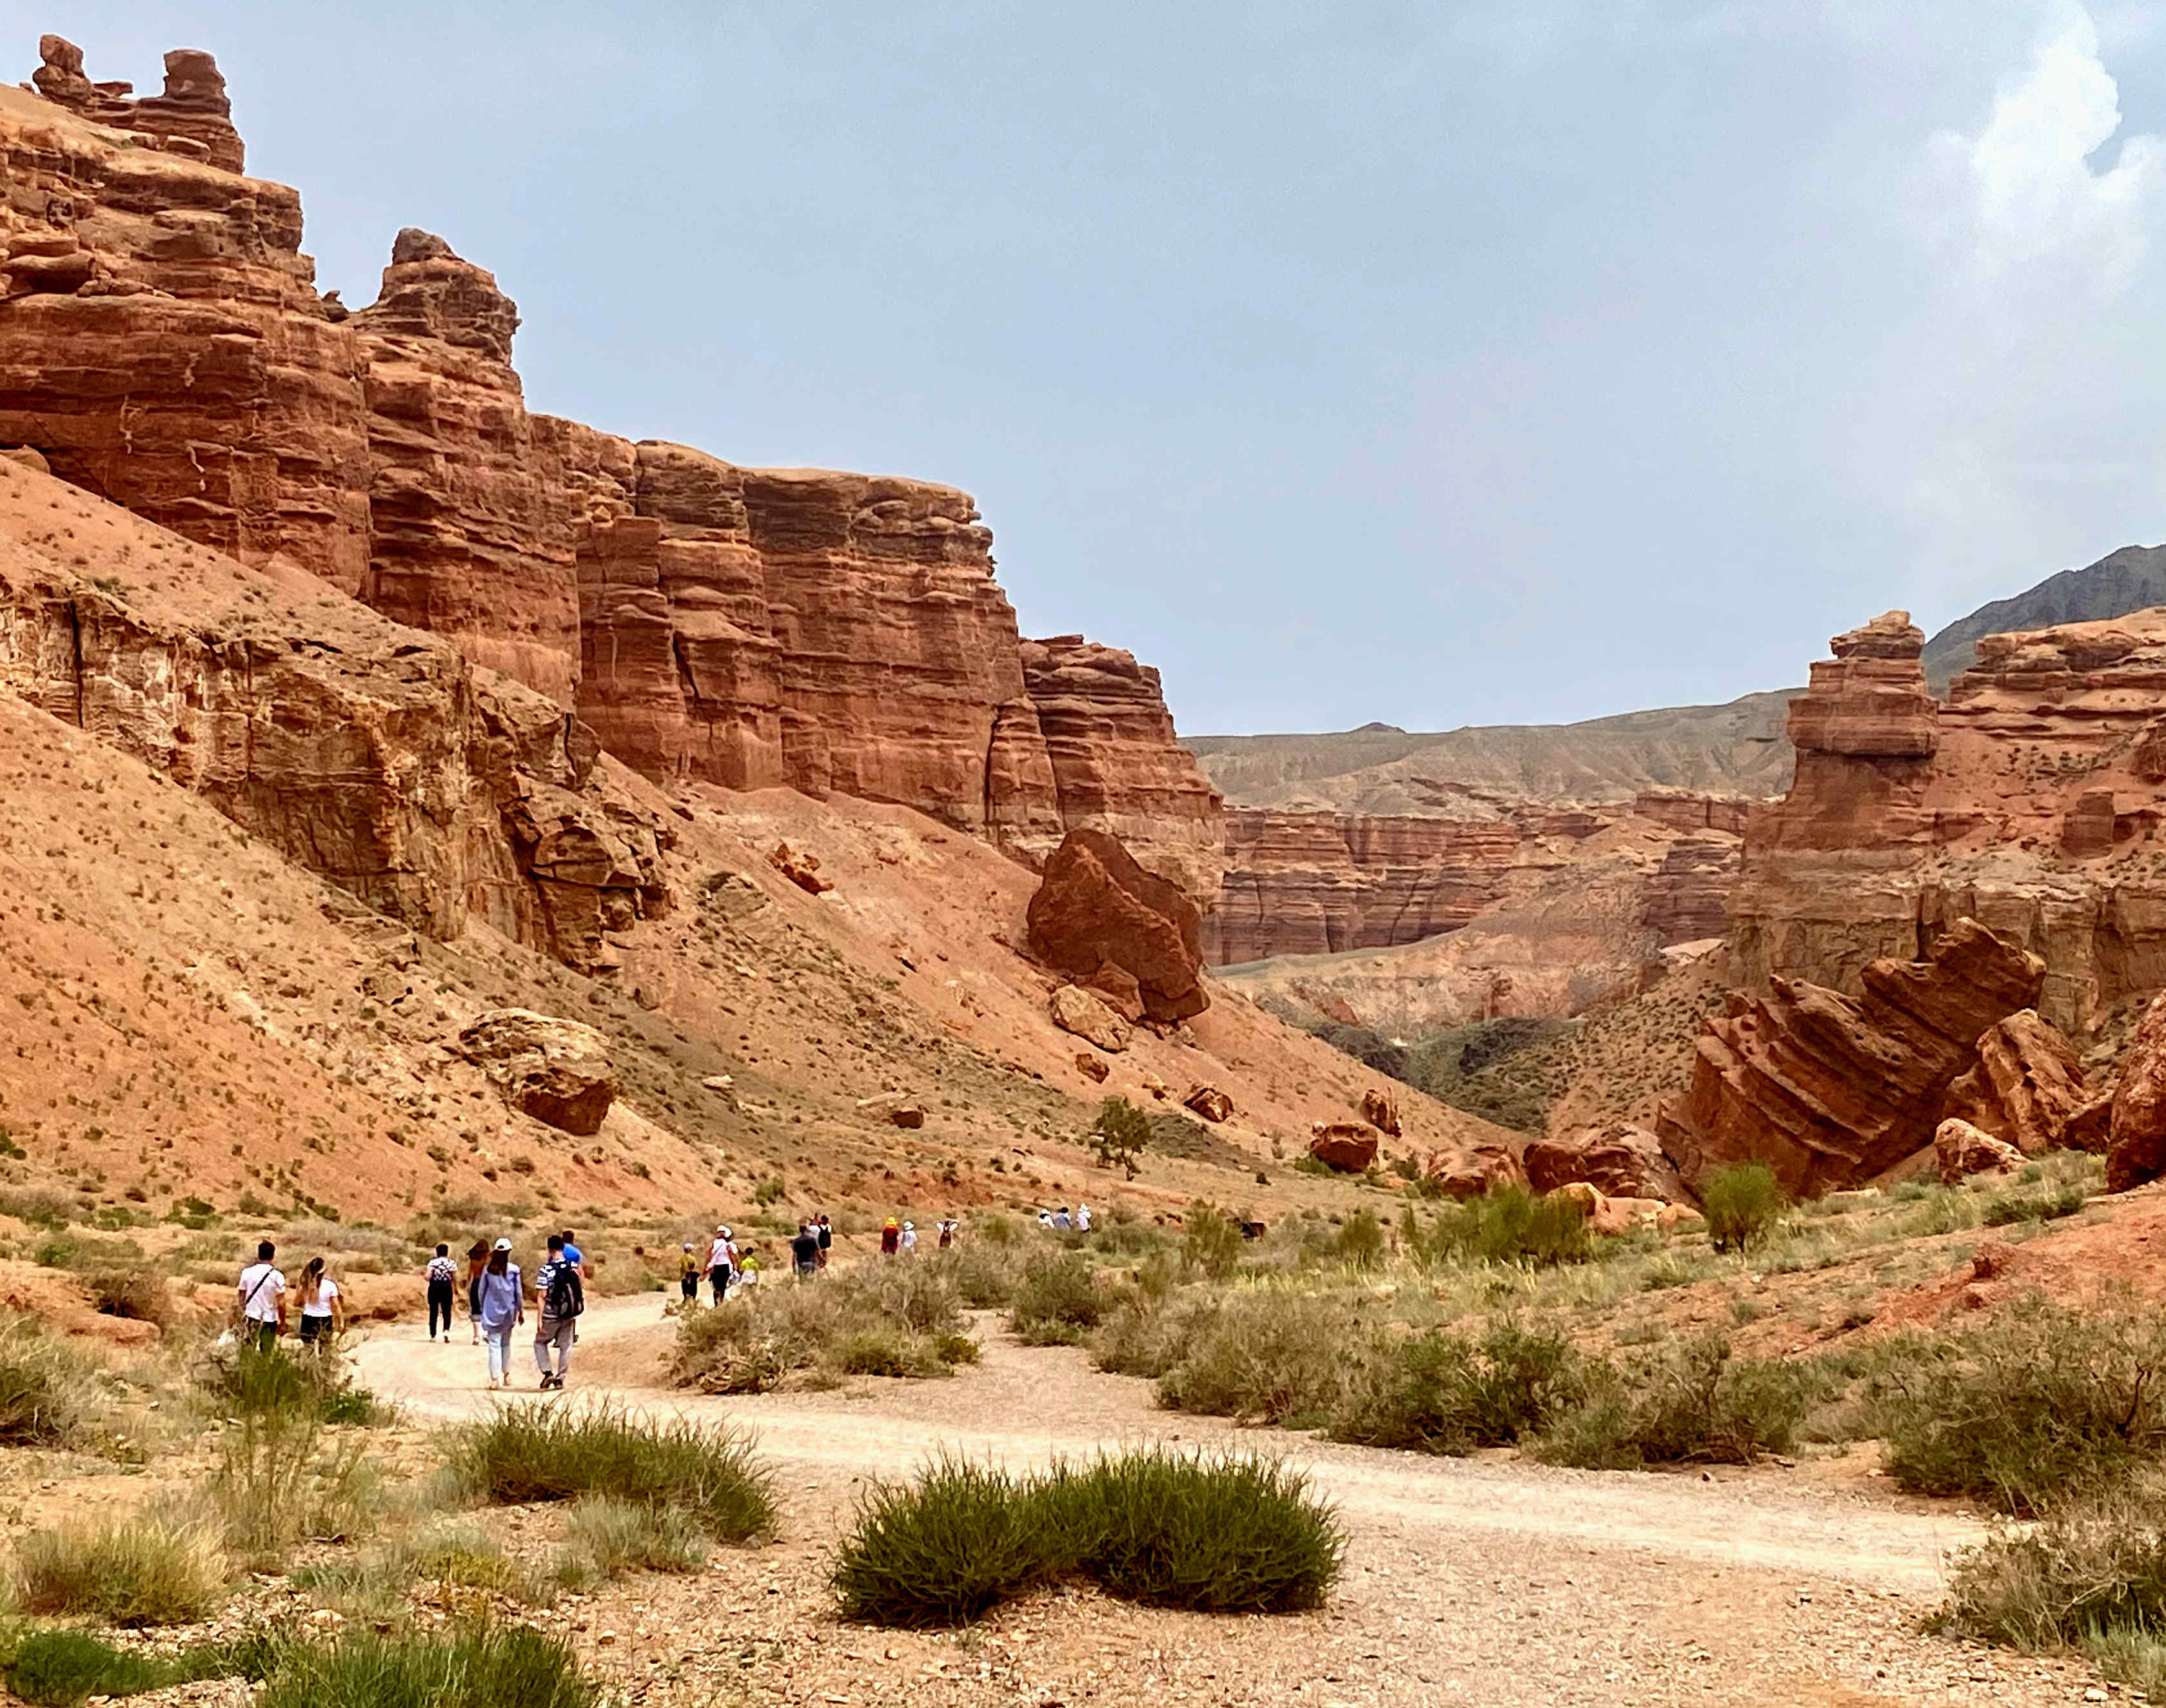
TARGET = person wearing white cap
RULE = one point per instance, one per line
(503, 1308)
(721, 1263)
(909, 1239)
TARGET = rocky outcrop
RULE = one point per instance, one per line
(1960, 1150)
(1118, 765)
(2138, 1151)
(1346, 1145)
(1076, 1011)
(1619, 1161)
(1828, 1089)
(1380, 1109)
(1469, 1173)
(1870, 700)
(1209, 1102)
(556, 1071)
(163, 345)
(1098, 914)
(2032, 809)
(1687, 895)
(2027, 1088)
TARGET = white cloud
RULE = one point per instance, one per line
(2021, 195)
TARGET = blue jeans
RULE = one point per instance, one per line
(497, 1339)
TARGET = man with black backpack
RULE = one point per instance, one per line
(562, 1297)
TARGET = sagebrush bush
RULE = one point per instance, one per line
(622, 1536)
(1510, 1224)
(247, 1381)
(137, 1571)
(1743, 1205)
(2043, 1404)
(486, 1666)
(1224, 1535)
(1210, 1243)
(1692, 1403)
(546, 1453)
(983, 1275)
(1435, 1392)
(2097, 1564)
(886, 1319)
(136, 1294)
(42, 1387)
(885, 1351)
(1057, 1302)
(1360, 1243)
(1265, 1356)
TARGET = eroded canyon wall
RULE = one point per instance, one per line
(164, 345)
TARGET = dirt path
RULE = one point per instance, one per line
(1485, 1581)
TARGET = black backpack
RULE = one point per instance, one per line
(565, 1294)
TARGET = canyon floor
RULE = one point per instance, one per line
(1477, 1582)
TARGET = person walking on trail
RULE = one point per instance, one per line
(262, 1296)
(826, 1232)
(909, 1239)
(687, 1274)
(477, 1261)
(501, 1308)
(1062, 1222)
(1045, 1220)
(947, 1234)
(443, 1274)
(805, 1252)
(560, 1296)
(748, 1268)
(574, 1256)
(890, 1238)
(721, 1263)
(322, 1317)
(1082, 1218)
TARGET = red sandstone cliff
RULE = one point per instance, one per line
(2028, 800)
(164, 347)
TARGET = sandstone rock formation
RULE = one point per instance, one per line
(1870, 700)
(1076, 1011)
(1470, 1173)
(2027, 1087)
(2031, 806)
(2137, 1154)
(1962, 1150)
(1345, 1146)
(1619, 1161)
(1829, 1089)
(1091, 1067)
(1380, 1109)
(557, 1071)
(800, 868)
(1209, 1102)
(1096, 909)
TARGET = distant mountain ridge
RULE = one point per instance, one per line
(1738, 748)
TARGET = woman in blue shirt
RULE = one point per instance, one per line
(503, 1308)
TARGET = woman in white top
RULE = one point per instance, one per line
(322, 1315)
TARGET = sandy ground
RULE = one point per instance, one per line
(1478, 1582)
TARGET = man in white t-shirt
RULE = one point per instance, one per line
(262, 1295)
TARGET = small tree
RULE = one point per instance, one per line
(1120, 1135)
(1742, 1202)
(1209, 1242)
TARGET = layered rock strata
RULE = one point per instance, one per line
(164, 347)
(1829, 1090)
(2028, 800)
(1098, 917)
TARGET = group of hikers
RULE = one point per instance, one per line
(266, 1297)
(728, 1266)
(1063, 1221)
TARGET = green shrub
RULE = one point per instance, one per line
(2041, 1404)
(1057, 1301)
(510, 1666)
(138, 1571)
(279, 1480)
(59, 1668)
(1222, 1535)
(1261, 1356)
(2098, 1563)
(1509, 1225)
(620, 1536)
(889, 1319)
(1120, 1134)
(545, 1452)
(41, 1388)
(1691, 1403)
(248, 1381)
(2047, 1203)
(1210, 1243)
(983, 1275)
(1743, 1204)
(1360, 1241)
(1437, 1394)
(885, 1351)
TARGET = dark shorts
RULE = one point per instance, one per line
(689, 1285)
(315, 1328)
(720, 1281)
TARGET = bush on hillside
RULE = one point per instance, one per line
(1510, 1224)
(1435, 1392)
(137, 1571)
(1209, 1242)
(42, 1387)
(1265, 1356)
(1743, 1204)
(1120, 1134)
(1691, 1404)
(1057, 1301)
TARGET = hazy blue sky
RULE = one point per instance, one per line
(1435, 363)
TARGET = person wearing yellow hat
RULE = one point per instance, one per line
(890, 1238)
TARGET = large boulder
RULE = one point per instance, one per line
(1348, 1146)
(1078, 1011)
(2138, 1148)
(1470, 1173)
(1963, 1150)
(1097, 915)
(1209, 1102)
(556, 1070)
(1380, 1109)
(1619, 1161)
(2027, 1087)
(1828, 1089)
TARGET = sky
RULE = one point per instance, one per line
(1438, 363)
